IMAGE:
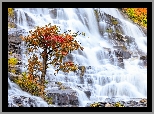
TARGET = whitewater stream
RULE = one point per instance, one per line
(107, 80)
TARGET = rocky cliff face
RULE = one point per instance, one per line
(120, 42)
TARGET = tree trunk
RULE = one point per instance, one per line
(45, 58)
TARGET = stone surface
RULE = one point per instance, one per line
(88, 93)
(22, 101)
(14, 50)
(64, 97)
(130, 103)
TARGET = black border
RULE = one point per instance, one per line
(6, 5)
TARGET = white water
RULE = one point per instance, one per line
(108, 80)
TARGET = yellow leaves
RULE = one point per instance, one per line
(12, 61)
(31, 84)
(24, 74)
(13, 70)
(10, 12)
(74, 68)
(118, 104)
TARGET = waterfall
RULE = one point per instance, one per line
(107, 80)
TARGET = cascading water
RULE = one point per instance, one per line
(107, 80)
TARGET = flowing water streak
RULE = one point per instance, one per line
(107, 80)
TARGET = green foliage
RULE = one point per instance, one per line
(137, 15)
(32, 85)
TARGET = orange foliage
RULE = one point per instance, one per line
(138, 15)
(57, 44)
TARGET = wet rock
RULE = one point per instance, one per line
(90, 81)
(14, 55)
(126, 54)
(143, 58)
(14, 49)
(81, 80)
(129, 39)
(22, 101)
(53, 13)
(118, 36)
(130, 103)
(121, 54)
(63, 97)
(135, 54)
(14, 45)
(17, 101)
(121, 65)
(117, 47)
(108, 105)
(141, 53)
(68, 57)
(118, 28)
(102, 104)
(88, 93)
(122, 102)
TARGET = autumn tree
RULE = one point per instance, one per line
(55, 47)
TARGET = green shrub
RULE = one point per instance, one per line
(32, 85)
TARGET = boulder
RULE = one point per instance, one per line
(126, 54)
(129, 39)
(90, 81)
(22, 101)
(53, 13)
(88, 93)
(63, 97)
